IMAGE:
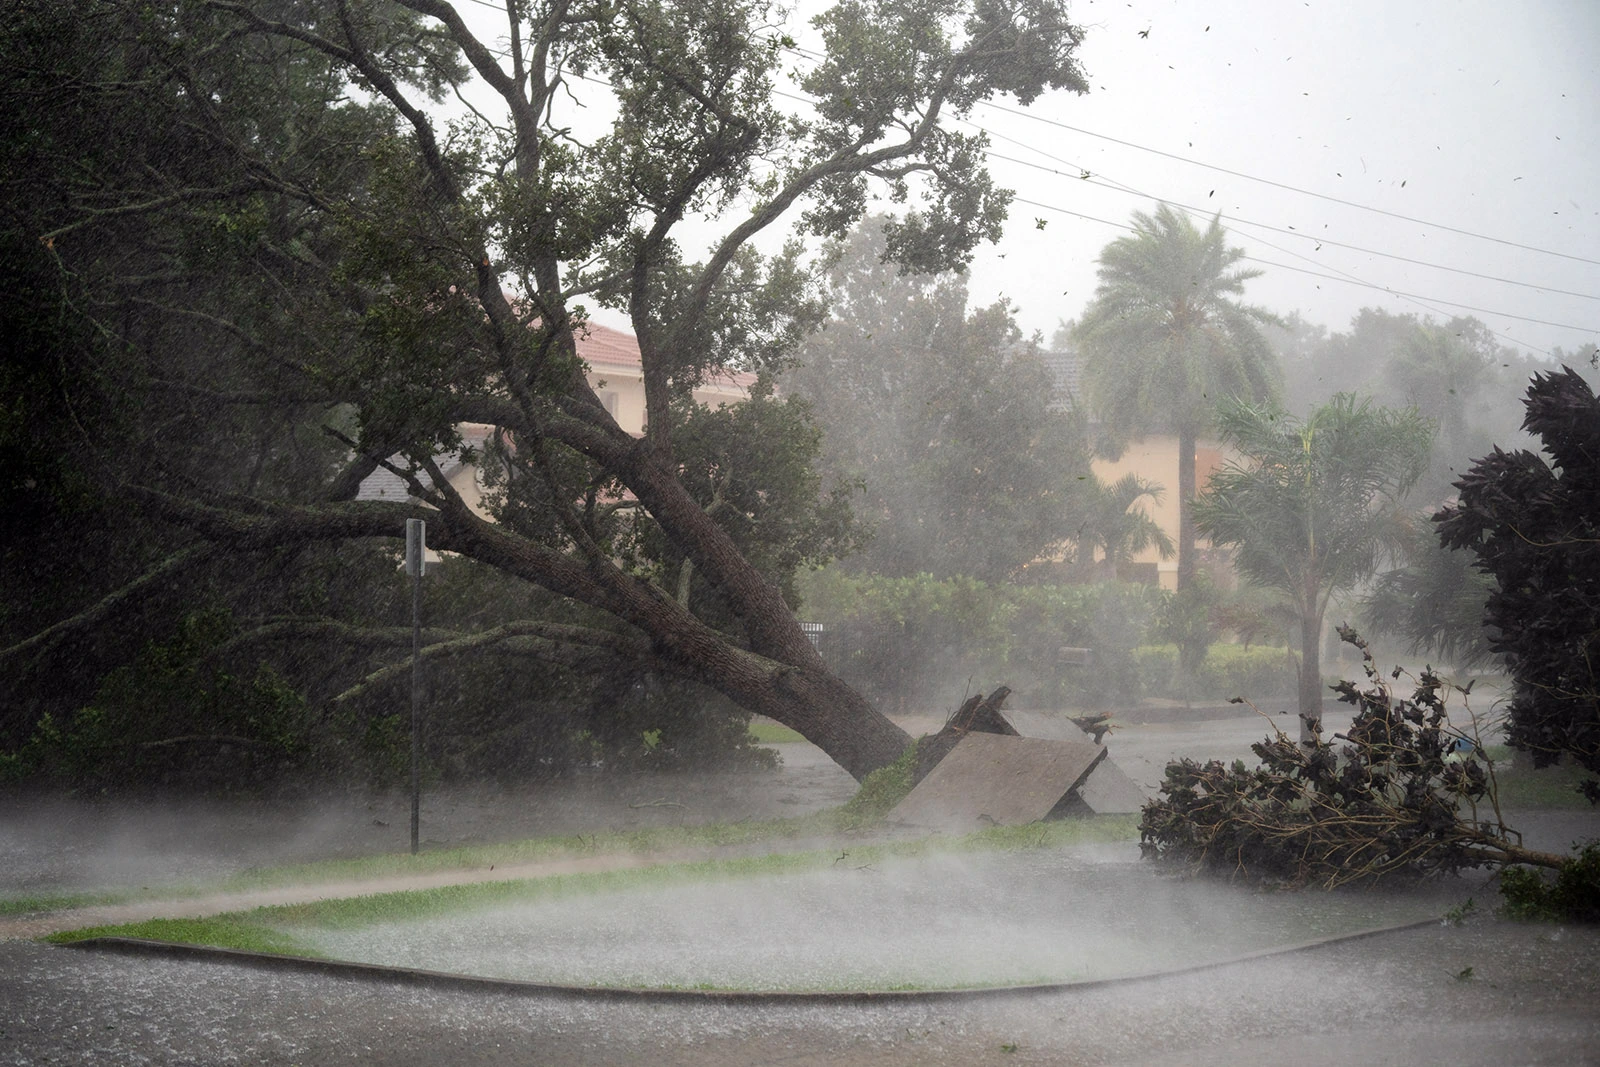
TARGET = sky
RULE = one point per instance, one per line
(1466, 116)
(1337, 140)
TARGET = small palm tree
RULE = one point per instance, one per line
(1166, 339)
(1313, 507)
(1112, 526)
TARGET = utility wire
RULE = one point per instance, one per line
(1330, 277)
(1286, 187)
(1118, 187)
(1122, 188)
(816, 57)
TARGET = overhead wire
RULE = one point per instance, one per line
(1101, 180)
(1425, 302)
(1286, 187)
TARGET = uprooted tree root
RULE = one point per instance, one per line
(1403, 799)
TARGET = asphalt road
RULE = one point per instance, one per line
(1530, 997)
(1488, 992)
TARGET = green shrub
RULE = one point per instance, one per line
(1228, 671)
(882, 789)
(924, 641)
(1388, 804)
(1571, 895)
(1260, 671)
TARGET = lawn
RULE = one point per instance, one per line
(272, 928)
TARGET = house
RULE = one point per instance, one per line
(617, 375)
(1153, 459)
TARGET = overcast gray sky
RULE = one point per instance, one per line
(1478, 116)
(1470, 116)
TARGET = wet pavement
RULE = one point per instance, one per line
(1489, 992)
(1408, 998)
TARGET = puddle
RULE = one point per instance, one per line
(937, 922)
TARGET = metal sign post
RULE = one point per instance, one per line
(416, 565)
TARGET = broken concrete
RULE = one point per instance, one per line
(997, 780)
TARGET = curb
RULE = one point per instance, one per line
(445, 980)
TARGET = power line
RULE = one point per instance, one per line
(1119, 187)
(1422, 301)
(1330, 277)
(815, 57)
(1116, 186)
(1286, 187)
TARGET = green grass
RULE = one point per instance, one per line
(650, 841)
(771, 733)
(241, 930)
(12, 906)
(272, 928)
(1551, 787)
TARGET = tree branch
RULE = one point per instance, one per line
(111, 603)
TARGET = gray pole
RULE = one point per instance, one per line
(416, 546)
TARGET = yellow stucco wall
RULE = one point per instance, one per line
(1155, 459)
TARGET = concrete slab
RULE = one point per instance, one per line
(1109, 791)
(996, 780)
(1050, 726)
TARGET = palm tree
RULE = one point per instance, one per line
(1313, 507)
(1166, 338)
(1113, 526)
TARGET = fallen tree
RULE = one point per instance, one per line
(254, 207)
(1402, 799)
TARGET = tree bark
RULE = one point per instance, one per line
(1310, 677)
(1186, 495)
(777, 679)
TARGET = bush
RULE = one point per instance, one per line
(1571, 895)
(1384, 806)
(1256, 673)
(882, 789)
(924, 641)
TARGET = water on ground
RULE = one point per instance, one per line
(936, 922)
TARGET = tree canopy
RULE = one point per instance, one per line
(292, 269)
(946, 418)
(1533, 525)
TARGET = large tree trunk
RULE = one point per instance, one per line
(830, 715)
(1310, 676)
(779, 675)
(1186, 494)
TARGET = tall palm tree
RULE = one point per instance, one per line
(1166, 338)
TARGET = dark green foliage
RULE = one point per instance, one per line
(1394, 802)
(174, 716)
(1263, 672)
(1184, 619)
(254, 263)
(883, 789)
(1572, 894)
(1534, 527)
(1435, 599)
